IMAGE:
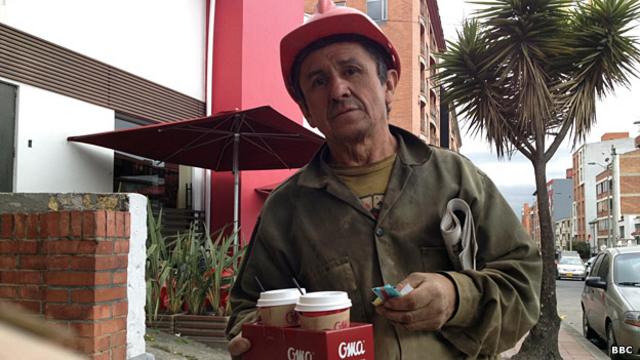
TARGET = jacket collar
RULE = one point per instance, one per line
(411, 151)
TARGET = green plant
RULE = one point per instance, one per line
(223, 266)
(191, 267)
(155, 269)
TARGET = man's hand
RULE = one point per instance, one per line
(428, 307)
(238, 345)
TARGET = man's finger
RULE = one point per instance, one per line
(414, 279)
(238, 345)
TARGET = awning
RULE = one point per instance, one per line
(266, 139)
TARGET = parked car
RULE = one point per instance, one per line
(570, 267)
(611, 301)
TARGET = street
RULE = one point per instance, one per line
(568, 294)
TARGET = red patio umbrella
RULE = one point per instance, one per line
(254, 139)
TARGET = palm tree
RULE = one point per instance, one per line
(527, 73)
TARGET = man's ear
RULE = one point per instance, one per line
(390, 85)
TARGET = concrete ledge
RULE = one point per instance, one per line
(42, 202)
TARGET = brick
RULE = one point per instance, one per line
(8, 292)
(127, 225)
(21, 277)
(119, 353)
(86, 328)
(121, 247)
(111, 224)
(50, 225)
(100, 223)
(76, 223)
(7, 262)
(56, 295)
(18, 247)
(88, 224)
(120, 277)
(65, 223)
(6, 226)
(120, 309)
(19, 224)
(108, 262)
(70, 262)
(33, 262)
(31, 293)
(31, 306)
(115, 327)
(98, 295)
(120, 223)
(92, 345)
(78, 247)
(77, 311)
(61, 278)
(31, 226)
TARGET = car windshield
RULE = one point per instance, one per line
(627, 269)
(570, 261)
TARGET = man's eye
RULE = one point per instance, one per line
(318, 82)
(351, 71)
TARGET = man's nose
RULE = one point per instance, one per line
(340, 88)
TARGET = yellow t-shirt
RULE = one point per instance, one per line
(368, 182)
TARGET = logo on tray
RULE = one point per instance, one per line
(297, 354)
(350, 349)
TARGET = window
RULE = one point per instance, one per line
(8, 95)
(341, 3)
(155, 179)
(603, 271)
(377, 9)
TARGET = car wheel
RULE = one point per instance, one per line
(611, 342)
(587, 331)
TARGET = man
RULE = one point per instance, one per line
(366, 211)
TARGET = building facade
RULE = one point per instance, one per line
(618, 202)
(589, 160)
(415, 29)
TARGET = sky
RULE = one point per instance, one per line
(514, 177)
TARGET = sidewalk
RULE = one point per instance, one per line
(573, 346)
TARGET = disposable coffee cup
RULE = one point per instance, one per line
(324, 310)
(276, 307)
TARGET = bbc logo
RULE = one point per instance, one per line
(621, 350)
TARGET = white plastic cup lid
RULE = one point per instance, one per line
(323, 301)
(279, 297)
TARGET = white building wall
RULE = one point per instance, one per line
(160, 40)
(52, 164)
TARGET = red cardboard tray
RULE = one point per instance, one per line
(276, 343)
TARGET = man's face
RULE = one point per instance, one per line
(344, 97)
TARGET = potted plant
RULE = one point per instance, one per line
(188, 281)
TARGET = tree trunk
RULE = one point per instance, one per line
(542, 341)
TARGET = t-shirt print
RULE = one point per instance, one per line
(373, 203)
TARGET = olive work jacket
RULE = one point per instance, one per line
(313, 228)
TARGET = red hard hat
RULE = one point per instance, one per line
(329, 20)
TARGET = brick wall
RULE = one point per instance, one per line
(70, 267)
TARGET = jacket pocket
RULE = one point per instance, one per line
(337, 275)
(435, 259)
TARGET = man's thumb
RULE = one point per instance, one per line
(238, 345)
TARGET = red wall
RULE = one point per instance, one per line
(246, 74)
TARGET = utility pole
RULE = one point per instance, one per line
(614, 214)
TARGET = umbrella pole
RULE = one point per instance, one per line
(236, 191)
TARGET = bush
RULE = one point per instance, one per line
(582, 247)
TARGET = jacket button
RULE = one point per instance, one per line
(379, 232)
